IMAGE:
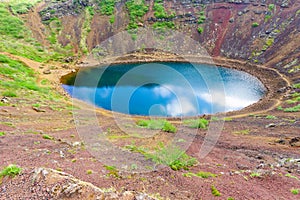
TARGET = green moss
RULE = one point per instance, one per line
(200, 30)
(267, 17)
(200, 174)
(269, 41)
(295, 191)
(10, 170)
(214, 191)
(47, 137)
(271, 7)
(271, 117)
(255, 24)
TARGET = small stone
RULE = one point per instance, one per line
(76, 144)
(270, 125)
(38, 109)
(47, 71)
(65, 66)
(5, 100)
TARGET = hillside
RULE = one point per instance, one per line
(256, 155)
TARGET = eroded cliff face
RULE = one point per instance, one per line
(259, 31)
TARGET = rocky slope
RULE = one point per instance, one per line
(258, 31)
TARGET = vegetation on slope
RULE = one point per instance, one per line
(18, 80)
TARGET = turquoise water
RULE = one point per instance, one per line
(165, 89)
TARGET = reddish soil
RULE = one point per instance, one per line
(269, 148)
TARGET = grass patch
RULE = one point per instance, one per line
(200, 30)
(297, 86)
(196, 123)
(47, 137)
(171, 156)
(291, 176)
(107, 7)
(295, 191)
(214, 191)
(136, 10)
(9, 93)
(89, 171)
(255, 24)
(174, 157)
(2, 133)
(112, 171)
(11, 171)
(20, 80)
(16, 38)
(200, 174)
(255, 174)
(292, 109)
(271, 117)
(163, 125)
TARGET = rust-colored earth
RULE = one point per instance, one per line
(255, 157)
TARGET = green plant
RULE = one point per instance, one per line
(230, 198)
(172, 156)
(271, 117)
(196, 123)
(163, 125)
(255, 24)
(47, 137)
(269, 41)
(214, 191)
(9, 93)
(267, 17)
(200, 174)
(107, 7)
(297, 85)
(292, 109)
(168, 127)
(10, 170)
(112, 171)
(291, 176)
(255, 174)
(136, 9)
(271, 7)
(112, 19)
(295, 191)
(89, 171)
(2, 133)
(200, 30)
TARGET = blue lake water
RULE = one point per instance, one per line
(165, 89)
